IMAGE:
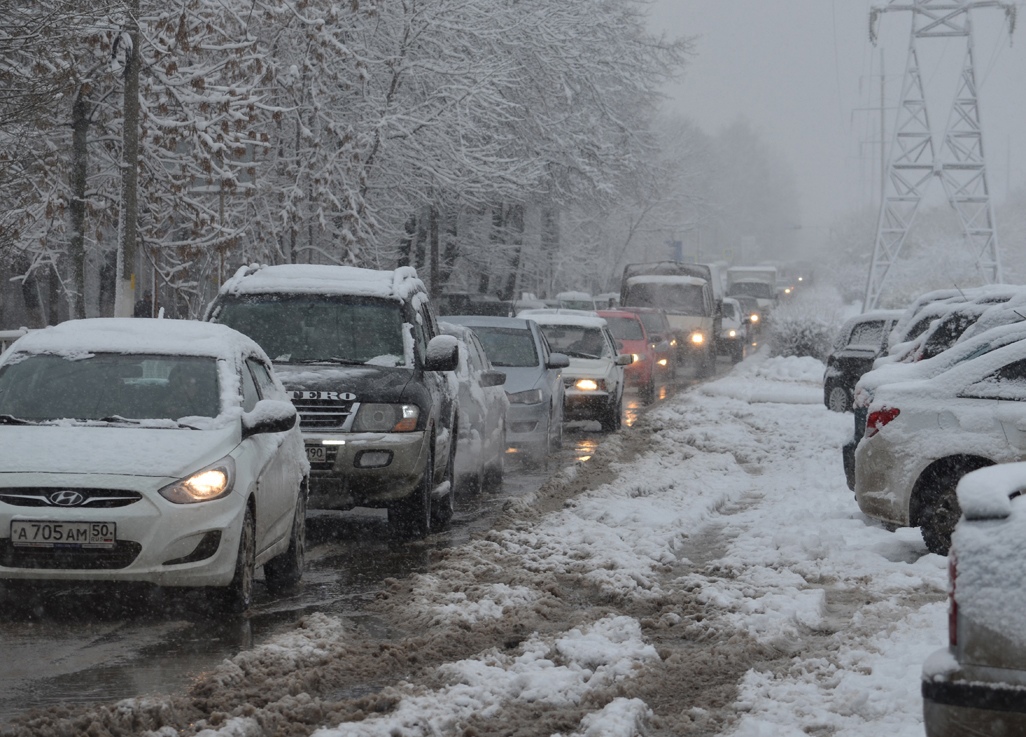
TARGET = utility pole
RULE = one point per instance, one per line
(128, 213)
(914, 160)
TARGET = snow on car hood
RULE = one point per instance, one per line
(132, 451)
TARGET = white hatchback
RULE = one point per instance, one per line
(158, 451)
(923, 436)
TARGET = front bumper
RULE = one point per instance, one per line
(959, 704)
(579, 405)
(527, 426)
(151, 532)
(343, 481)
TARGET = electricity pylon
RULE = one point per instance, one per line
(913, 159)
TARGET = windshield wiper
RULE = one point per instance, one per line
(330, 359)
(12, 420)
(118, 419)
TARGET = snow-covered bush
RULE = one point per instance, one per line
(806, 324)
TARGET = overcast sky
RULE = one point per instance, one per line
(806, 76)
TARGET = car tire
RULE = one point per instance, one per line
(237, 597)
(284, 571)
(410, 518)
(443, 508)
(648, 392)
(939, 519)
(737, 353)
(838, 399)
(494, 472)
(612, 419)
(555, 441)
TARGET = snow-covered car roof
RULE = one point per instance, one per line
(324, 279)
(574, 295)
(472, 321)
(577, 318)
(138, 335)
(665, 279)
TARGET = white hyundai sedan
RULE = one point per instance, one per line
(159, 451)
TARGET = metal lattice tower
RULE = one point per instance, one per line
(914, 160)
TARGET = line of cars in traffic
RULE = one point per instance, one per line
(187, 453)
(938, 394)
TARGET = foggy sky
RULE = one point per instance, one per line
(806, 76)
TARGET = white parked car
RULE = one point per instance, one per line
(594, 379)
(977, 684)
(922, 436)
(143, 450)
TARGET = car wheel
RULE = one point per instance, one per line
(443, 508)
(238, 595)
(555, 439)
(284, 571)
(939, 519)
(737, 354)
(648, 393)
(838, 399)
(611, 421)
(410, 518)
(494, 472)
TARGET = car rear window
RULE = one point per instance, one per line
(867, 333)
(508, 347)
(625, 328)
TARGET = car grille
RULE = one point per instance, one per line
(66, 559)
(44, 496)
(323, 414)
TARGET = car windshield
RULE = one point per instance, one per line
(757, 289)
(867, 333)
(577, 341)
(688, 299)
(108, 387)
(625, 328)
(319, 328)
(731, 311)
(507, 347)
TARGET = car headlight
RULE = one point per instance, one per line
(386, 418)
(697, 338)
(731, 333)
(212, 482)
(638, 358)
(590, 385)
(531, 396)
(754, 317)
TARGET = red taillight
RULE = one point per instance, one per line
(879, 418)
(952, 601)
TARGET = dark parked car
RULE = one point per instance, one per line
(860, 341)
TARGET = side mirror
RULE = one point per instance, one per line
(269, 416)
(443, 354)
(624, 359)
(492, 378)
(558, 361)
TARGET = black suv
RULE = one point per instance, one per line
(860, 341)
(365, 364)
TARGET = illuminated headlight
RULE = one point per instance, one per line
(754, 317)
(638, 358)
(212, 482)
(662, 361)
(590, 385)
(531, 396)
(386, 418)
(731, 333)
(697, 338)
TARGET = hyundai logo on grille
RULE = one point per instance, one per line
(66, 498)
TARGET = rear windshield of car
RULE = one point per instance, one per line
(508, 347)
(757, 289)
(108, 387)
(867, 333)
(625, 328)
(318, 328)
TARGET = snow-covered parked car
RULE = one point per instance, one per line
(360, 353)
(157, 451)
(892, 373)
(534, 384)
(977, 684)
(594, 380)
(922, 436)
(859, 342)
(482, 404)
